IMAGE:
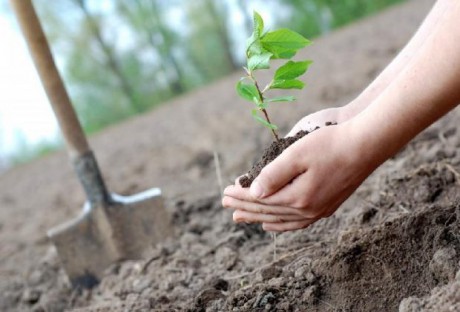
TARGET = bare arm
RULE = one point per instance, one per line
(382, 81)
(428, 88)
(391, 72)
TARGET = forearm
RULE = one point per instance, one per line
(391, 72)
(427, 88)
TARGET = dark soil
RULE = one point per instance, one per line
(269, 154)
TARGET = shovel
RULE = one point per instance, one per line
(111, 227)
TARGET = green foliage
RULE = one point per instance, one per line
(286, 98)
(287, 84)
(291, 70)
(259, 61)
(248, 92)
(261, 48)
(283, 43)
(315, 17)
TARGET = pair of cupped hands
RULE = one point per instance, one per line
(308, 181)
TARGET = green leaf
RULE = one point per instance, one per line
(286, 39)
(283, 43)
(287, 98)
(254, 47)
(286, 55)
(287, 84)
(259, 61)
(248, 92)
(255, 115)
(292, 70)
(253, 44)
(258, 25)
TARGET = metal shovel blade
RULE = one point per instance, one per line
(125, 228)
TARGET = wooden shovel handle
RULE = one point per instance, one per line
(50, 78)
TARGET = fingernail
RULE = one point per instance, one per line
(256, 189)
(236, 217)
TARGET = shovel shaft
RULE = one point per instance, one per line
(81, 155)
(50, 78)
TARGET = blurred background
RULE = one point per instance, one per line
(121, 58)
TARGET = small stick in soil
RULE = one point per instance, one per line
(403, 208)
(328, 304)
(149, 262)
(218, 173)
(274, 247)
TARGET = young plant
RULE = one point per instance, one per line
(261, 48)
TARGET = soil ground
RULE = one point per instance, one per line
(395, 244)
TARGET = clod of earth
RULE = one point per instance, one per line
(273, 151)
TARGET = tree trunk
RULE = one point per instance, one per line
(166, 49)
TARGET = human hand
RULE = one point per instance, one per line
(318, 120)
(307, 182)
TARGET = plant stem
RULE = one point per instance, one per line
(261, 95)
(268, 120)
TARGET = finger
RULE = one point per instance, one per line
(288, 226)
(254, 207)
(251, 217)
(279, 172)
(295, 198)
(238, 192)
(295, 195)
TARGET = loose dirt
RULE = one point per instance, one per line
(394, 244)
(270, 153)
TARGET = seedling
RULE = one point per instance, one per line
(261, 48)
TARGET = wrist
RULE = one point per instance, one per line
(349, 111)
(366, 140)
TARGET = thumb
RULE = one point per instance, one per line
(278, 173)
